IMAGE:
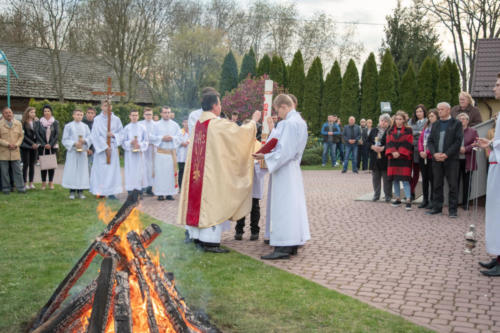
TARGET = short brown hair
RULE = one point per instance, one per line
(283, 99)
(498, 75)
(147, 109)
(294, 99)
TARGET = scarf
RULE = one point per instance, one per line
(47, 123)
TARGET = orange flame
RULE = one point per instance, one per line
(138, 303)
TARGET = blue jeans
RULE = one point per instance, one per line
(350, 150)
(406, 188)
(333, 148)
(340, 151)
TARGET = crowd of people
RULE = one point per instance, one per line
(431, 145)
(90, 163)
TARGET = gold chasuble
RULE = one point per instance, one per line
(218, 174)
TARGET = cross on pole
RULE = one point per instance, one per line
(109, 94)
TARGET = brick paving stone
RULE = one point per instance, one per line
(369, 249)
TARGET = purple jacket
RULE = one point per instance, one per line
(470, 136)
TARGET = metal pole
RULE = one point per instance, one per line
(8, 86)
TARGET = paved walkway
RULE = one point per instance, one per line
(404, 262)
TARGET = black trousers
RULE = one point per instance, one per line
(427, 179)
(254, 219)
(379, 176)
(440, 170)
(181, 166)
(363, 155)
(464, 180)
(28, 156)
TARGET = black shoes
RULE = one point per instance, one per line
(275, 255)
(214, 249)
(170, 198)
(266, 241)
(433, 212)
(374, 199)
(453, 215)
(112, 197)
(254, 237)
(396, 203)
(238, 236)
(161, 198)
(424, 205)
(489, 265)
(344, 171)
(495, 271)
(408, 205)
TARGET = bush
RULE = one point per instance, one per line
(311, 157)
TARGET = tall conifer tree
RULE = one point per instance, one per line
(312, 95)
(435, 78)
(264, 66)
(387, 82)
(443, 90)
(425, 86)
(296, 78)
(248, 65)
(349, 98)
(369, 87)
(454, 83)
(409, 89)
(397, 86)
(229, 74)
(276, 72)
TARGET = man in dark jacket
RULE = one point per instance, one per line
(352, 134)
(444, 144)
(331, 136)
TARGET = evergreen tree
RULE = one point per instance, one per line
(425, 87)
(229, 74)
(264, 66)
(248, 65)
(435, 78)
(296, 78)
(276, 72)
(369, 86)
(349, 98)
(408, 90)
(387, 82)
(312, 96)
(327, 99)
(443, 90)
(336, 77)
(285, 73)
(454, 83)
(397, 86)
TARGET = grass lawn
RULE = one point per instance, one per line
(44, 233)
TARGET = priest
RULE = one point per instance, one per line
(492, 227)
(106, 179)
(166, 138)
(196, 114)
(217, 184)
(289, 225)
(135, 143)
(148, 155)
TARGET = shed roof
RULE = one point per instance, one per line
(486, 68)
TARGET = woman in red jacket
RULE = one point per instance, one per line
(399, 151)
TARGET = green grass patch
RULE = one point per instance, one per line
(44, 233)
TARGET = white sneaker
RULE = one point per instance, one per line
(81, 196)
(72, 196)
(26, 187)
(32, 186)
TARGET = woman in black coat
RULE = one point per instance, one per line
(47, 137)
(29, 146)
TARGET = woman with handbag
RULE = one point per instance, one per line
(48, 136)
(29, 146)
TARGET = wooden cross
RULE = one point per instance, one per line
(109, 94)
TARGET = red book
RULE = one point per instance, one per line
(265, 149)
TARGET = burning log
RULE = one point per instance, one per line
(72, 312)
(146, 294)
(122, 311)
(102, 298)
(81, 266)
(149, 234)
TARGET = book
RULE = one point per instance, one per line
(268, 147)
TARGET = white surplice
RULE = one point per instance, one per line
(105, 179)
(164, 181)
(275, 132)
(289, 225)
(182, 151)
(149, 153)
(134, 161)
(76, 167)
(492, 228)
(193, 118)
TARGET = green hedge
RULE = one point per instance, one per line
(313, 151)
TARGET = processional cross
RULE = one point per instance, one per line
(109, 94)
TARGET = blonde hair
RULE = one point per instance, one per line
(401, 114)
(283, 99)
(26, 114)
(468, 96)
(463, 114)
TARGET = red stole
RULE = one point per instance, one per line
(196, 173)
